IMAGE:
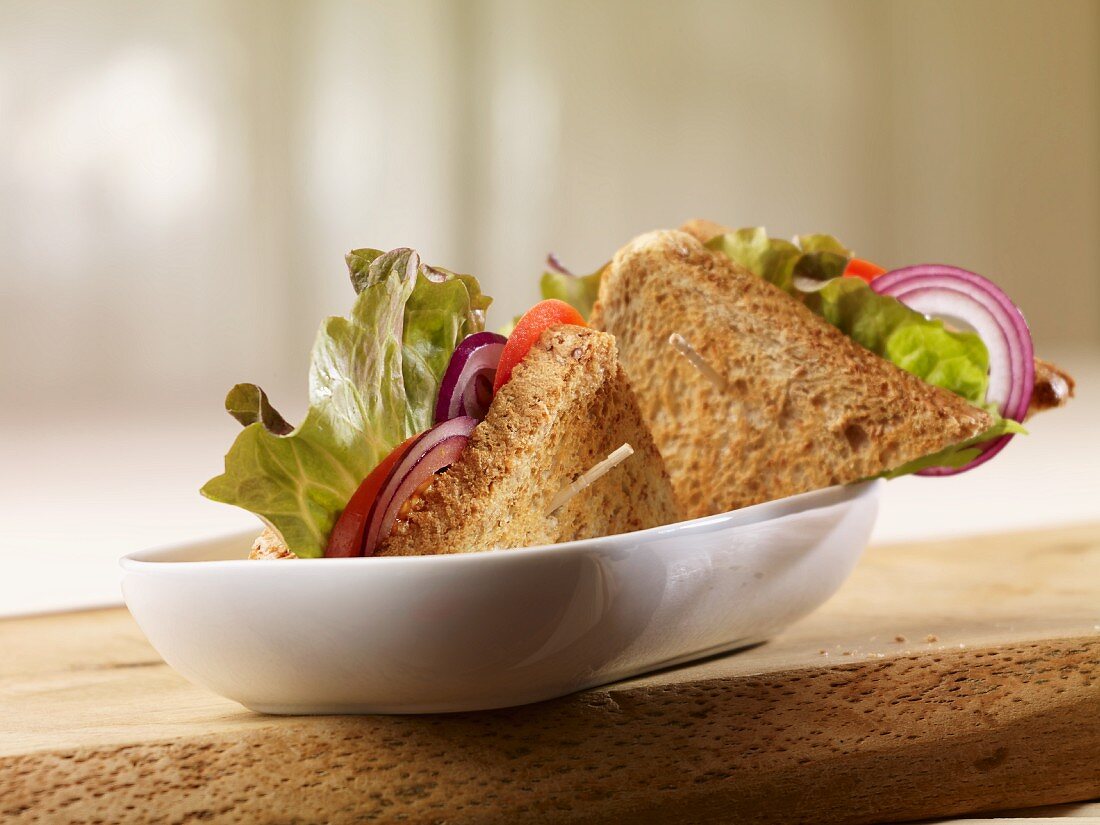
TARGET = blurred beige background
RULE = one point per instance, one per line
(179, 182)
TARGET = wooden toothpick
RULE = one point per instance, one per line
(585, 479)
(688, 351)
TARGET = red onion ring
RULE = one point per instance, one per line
(555, 265)
(473, 362)
(433, 450)
(478, 394)
(948, 292)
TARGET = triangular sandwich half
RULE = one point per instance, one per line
(567, 406)
(804, 406)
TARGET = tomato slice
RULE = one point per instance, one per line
(346, 538)
(859, 268)
(535, 321)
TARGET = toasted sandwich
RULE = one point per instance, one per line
(427, 434)
(797, 377)
(566, 408)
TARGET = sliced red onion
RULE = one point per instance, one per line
(472, 368)
(556, 265)
(433, 451)
(954, 294)
(478, 394)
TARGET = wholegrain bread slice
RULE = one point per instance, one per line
(804, 406)
(567, 406)
(1053, 387)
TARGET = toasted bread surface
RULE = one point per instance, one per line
(567, 406)
(804, 407)
(1053, 388)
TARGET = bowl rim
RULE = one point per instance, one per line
(150, 560)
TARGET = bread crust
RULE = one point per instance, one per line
(806, 407)
(566, 407)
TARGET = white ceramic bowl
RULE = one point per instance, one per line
(485, 630)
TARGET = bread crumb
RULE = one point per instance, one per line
(270, 545)
(899, 639)
(931, 637)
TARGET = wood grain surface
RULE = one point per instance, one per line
(943, 679)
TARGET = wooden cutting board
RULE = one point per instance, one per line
(944, 678)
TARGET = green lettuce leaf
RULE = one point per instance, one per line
(359, 265)
(248, 404)
(369, 266)
(959, 455)
(770, 258)
(822, 258)
(579, 291)
(956, 361)
(790, 266)
(373, 381)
